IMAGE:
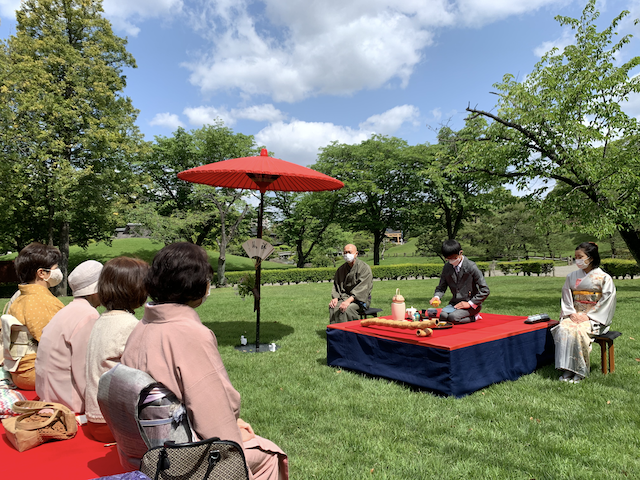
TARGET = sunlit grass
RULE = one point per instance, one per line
(337, 424)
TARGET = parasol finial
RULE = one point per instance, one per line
(264, 153)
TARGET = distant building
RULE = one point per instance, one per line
(394, 235)
(132, 230)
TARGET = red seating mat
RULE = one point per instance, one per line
(79, 458)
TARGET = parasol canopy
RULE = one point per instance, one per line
(261, 173)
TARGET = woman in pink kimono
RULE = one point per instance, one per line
(588, 304)
(173, 346)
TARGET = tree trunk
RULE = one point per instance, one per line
(377, 241)
(61, 289)
(222, 259)
(300, 254)
(631, 237)
(221, 268)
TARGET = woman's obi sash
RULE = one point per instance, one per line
(584, 301)
(16, 342)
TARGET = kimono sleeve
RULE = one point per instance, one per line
(210, 399)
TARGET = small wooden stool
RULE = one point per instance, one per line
(369, 312)
(606, 340)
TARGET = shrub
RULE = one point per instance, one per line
(620, 268)
(527, 267)
(314, 275)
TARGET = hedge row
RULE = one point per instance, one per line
(526, 267)
(620, 268)
(314, 275)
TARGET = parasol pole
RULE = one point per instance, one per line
(258, 271)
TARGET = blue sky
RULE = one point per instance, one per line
(299, 74)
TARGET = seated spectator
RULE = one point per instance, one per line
(121, 290)
(37, 269)
(173, 346)
(62, 352)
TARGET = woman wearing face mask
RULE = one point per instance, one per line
(37, 269)
(587, 307)
(173, 346)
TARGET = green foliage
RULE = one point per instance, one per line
(314, 275)
(71, 132)
(565, 122)
(307, 222)
(452, 193)
(527, 267)
(173, 209)
(620, 268)
(245, 285)
(380, 184)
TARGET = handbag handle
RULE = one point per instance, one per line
(27, 406)
(36, 425)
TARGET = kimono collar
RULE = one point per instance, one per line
(167, 312)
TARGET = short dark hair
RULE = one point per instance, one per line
(34, 257)
(179, 273)
(450, 247)
(590, 249)
(121, 285)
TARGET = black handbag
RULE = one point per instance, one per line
(211, 459)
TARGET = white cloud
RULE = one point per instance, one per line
(295, 49)
(258, 113)
(482, 12)
(8, 8)
(207, 115)
(123, 14)
(566, 39)
(390, 121)
(299, 141)
(167, 119)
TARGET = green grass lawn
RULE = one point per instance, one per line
(145, 249)
(337, 424)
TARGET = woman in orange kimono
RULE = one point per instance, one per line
(37, 269)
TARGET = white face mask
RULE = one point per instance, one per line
(582, 263)
(55, 277)
(348, 257)
(455, 261)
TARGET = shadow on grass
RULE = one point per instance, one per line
(322, 333)
(228, 333)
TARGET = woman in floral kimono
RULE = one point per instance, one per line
(587, 307)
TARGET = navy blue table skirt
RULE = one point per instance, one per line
(444, 367)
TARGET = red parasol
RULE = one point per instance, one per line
(261, 173)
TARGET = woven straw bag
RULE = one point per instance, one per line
(33, 428)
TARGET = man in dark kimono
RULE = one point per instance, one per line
(352, 286)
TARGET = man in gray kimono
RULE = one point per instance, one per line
(352, 286)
